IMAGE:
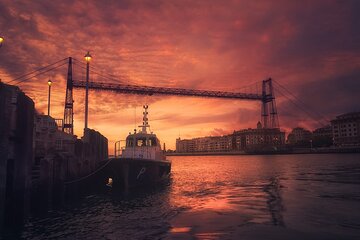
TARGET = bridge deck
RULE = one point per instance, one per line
(146, 90)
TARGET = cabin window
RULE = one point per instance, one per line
(152, 141)
(140, 142)
(130, 142)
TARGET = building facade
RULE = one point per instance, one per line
(247, 139)
(205, 144)
(322, 137)
(345, 129)
(258, 139)
(300, 137)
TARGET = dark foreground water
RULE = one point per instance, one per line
(224, 197)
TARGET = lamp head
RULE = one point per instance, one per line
(49, 82)
(87, 57)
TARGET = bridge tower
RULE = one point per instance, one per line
(269, 116)
(68, 125)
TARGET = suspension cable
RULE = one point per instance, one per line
(37, 70)
(94, 69)
(302, 108)
(322, 116)
(40, 73)
(109, 77)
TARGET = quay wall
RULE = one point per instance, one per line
(16, 154)
(36, 158)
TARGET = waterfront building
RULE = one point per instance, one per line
(213, 144)
(205, 144)
(322, 137)
(185, 145)
(299, 137)
(345, 129)
(258, 139)
(242, 140)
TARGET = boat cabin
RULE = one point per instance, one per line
(143, 145)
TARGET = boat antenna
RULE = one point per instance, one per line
(135, 116)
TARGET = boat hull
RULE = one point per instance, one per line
(120, 174)
(129, 173)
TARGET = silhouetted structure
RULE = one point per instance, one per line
(37, 158)
(68, 125)
(59, 157)
(322, 137)
(54, 155)
(16, 154)
(94, 149)
(268, 108)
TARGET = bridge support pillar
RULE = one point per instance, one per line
(269, 117)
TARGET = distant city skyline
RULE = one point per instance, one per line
(312, 48)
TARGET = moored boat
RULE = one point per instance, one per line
(142, 161)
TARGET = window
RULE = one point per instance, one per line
(140, 142)
(130, 142)
(152, 141)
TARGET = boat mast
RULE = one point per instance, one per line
(145, 120)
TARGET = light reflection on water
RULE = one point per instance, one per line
(224, 197)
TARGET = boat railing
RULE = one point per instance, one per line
(118, 148)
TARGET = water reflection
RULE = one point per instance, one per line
(136, 215)
(230, 197)
(275, 202)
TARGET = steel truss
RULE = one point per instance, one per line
(146, 90)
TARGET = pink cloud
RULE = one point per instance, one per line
(200, 45)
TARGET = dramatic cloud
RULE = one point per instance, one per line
(311, 48)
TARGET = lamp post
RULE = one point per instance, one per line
(1, 40)
(49, 83)
(87, 59)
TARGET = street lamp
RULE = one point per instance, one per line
(1, 40)
(49, 83)
(87, 59)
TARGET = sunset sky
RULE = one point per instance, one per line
(310, 47)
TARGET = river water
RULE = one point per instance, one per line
(223, 197)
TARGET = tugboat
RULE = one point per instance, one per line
(142, 160)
